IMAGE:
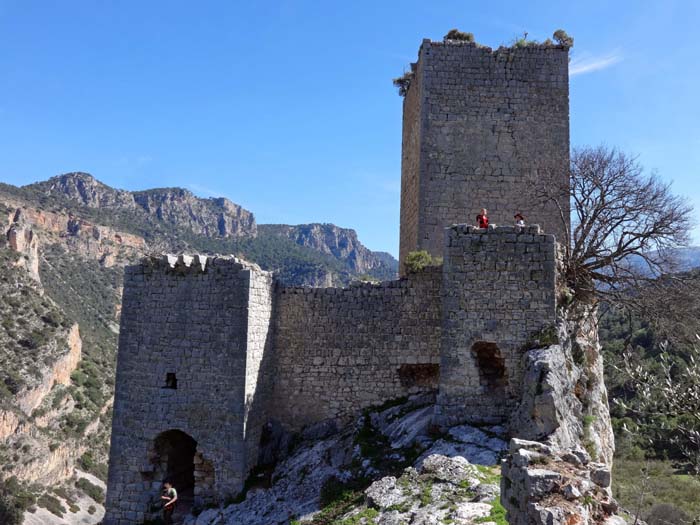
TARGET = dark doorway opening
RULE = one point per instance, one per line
(175, 458)
(491, 365)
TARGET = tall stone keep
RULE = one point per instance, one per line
(482, 129)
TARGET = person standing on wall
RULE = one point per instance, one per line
(482, 220)
(169, 497)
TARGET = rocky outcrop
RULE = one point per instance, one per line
(430, 488)
(44, 464)
(565, 402)
(31, 227)
(9, 421)
(559, 472)
(22, 239)
(543, 485)
(342, 243)
(84, 189)
(57, 372)
(209, 217)
(175, 206)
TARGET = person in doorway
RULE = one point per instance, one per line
(519, 219)
(169, 498)
(482, 220)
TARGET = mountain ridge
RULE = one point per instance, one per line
(156, 213)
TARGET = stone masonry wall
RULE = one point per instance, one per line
(491, 123)
(178, 318)
(259, 360)
(499, 292)
(339, 350)
(410, 166)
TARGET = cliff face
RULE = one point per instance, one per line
(39, 351)
(83, 188)
(342, 243)
(558, 470)
(208, 217)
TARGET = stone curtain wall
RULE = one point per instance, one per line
(340, 350)
(491, 123)
(499, 292)
(259, 357)
(410, 166)
(180, 319)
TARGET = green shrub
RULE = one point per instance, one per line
(403, 82)
(419, 260)
(547, 336)
(88, 463)
(523, 41)
(92, 490)
(456, 34)
(10, 513)
(52, 504)
(562, 38)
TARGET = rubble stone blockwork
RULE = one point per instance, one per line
(211, 350)
(339, 349)
(499, 292)
(191, 349)
(479, 126)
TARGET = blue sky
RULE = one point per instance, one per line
(287, 107)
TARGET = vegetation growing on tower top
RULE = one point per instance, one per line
(403, 82)
(562, 38)
(456, 34)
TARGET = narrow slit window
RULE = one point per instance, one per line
(170, 380)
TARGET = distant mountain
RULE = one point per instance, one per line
(175, 206)
(688, 258)
(341, 243)
(174, 219)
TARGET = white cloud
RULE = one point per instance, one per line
(204, 191)
(587, 63)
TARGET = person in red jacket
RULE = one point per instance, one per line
(482, 220)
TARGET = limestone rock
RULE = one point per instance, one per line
(454, 470)
(384, 493)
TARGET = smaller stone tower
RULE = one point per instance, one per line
(479, 126)
(191, 382)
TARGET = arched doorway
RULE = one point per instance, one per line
(174, 459)
(492, 367)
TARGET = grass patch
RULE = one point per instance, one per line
(366, 516)
(491, 475)
(497, 514)
(426, 494)
(666, 485)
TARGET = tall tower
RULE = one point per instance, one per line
(480, 127)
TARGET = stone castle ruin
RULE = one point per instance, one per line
(213, 349)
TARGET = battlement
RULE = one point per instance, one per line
(531, 47)
(197, 263)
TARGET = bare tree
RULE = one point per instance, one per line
(624, 222)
